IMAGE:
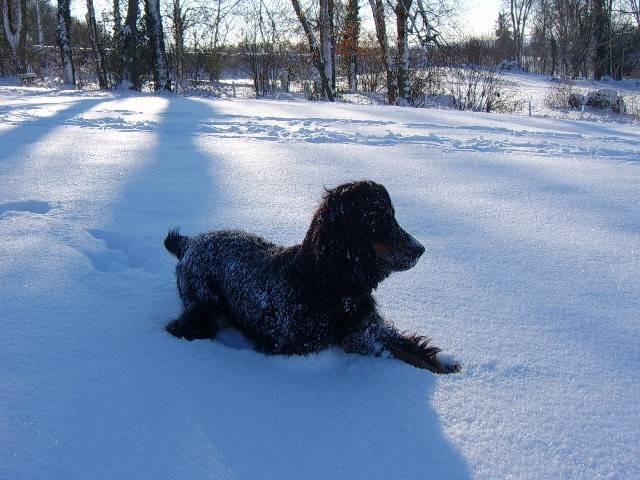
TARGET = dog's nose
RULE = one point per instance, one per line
(415, 247)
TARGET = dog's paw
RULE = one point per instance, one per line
(448, 364)
(176, 329)
(172, 328)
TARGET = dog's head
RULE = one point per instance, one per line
(356, 239)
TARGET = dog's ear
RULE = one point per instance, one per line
(339, 244)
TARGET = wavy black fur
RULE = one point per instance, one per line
(301, 299)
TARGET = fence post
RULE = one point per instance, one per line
(233, 86)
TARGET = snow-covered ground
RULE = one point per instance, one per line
(531, 278)
(537, 89)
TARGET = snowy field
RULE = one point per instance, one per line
(530, 87)
(531, 278)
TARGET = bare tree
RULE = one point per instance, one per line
(218, 23)
(631, 7)
(96, 45)
(161, 79)
(349, 43)
(519, 11)
(424, 17)
(117, 44)
(12, 15)
(265, 40)
(179, 25)
(317, 53)
(402, 9)
(39, 32)
(64, 42)
(130, 65)
(601, 34)
(117, 19)
(377, 7)
(327, 48)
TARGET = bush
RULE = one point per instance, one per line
(558, 95)
(633, 106)
(476, 88)
(425, 83)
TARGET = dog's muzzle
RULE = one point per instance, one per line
(401, 252)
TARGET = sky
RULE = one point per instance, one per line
(479, 16)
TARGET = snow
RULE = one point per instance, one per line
(530, 279)
(533, 88)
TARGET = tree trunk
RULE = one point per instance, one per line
(64, 41)
(161, 79)
(350, 43)
(96, 45)
(130, 71)
(554, 49)
(519, 10)
(600, 51)
(316, 54)
(326, 27)
(332, 35)
(377, 7)
(178, 36)
(115, 56)
(117, 19)
(13, 26)
(402, 16)
(39, 31)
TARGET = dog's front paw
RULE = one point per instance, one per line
(448, 364)
(175, 328)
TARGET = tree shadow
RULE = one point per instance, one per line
(23, 136)
(173, 187)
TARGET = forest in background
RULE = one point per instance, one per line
(404, 50)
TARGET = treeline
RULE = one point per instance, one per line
(134, 44)
(121, 57)
(323, 42)
(571, 38)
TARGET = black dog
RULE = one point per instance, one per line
(304, 298)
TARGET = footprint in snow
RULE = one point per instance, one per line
(27, 206)
(124, 252)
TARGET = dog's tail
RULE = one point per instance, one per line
(175, 243)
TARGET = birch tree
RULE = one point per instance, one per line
(327, 48)
(316, 52)
(424, 17)
(12, 16)
(402, 9)
(178, 28)
(96, 46)
(63, 30)
(161, 79)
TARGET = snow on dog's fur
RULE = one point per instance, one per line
(301, 299)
